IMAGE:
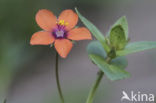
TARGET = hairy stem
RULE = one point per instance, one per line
(57, 79)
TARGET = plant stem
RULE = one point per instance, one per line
(57, 79)
(94, 88)
(96, 84)
(5, 100)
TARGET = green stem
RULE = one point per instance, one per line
(57, 79)
(94, 88)
(5, 100)
(96, 84)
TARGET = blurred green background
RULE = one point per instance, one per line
(27, 72)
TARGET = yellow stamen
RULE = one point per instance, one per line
(62, 23)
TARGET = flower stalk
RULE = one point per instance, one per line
(57, 79)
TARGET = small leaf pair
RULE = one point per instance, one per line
(115, 46)
(113, 70)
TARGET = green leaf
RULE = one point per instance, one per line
(123, 22)
(120, 62)
(114, 70)
(117, 37)
(95, 47)
(96, 33)
(137, 47)
(96, 51)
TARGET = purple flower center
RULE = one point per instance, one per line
(59, 32)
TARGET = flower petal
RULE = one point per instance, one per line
(70, 17)
(79, 34)
(42, 38)
(63, 47)
(46, 19)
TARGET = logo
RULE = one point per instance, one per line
(137, 97)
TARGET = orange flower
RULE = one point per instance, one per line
(59, 31)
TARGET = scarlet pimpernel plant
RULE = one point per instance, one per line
(61, 32)
(108, 52)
